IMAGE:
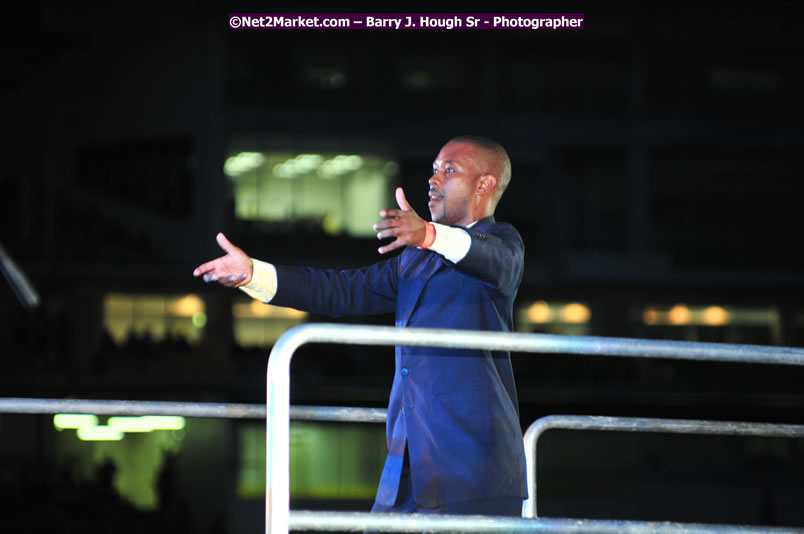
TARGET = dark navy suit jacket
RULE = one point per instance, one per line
(456, 410)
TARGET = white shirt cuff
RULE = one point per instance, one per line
(452, 243)
(263, 282)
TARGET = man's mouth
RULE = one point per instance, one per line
(435, 196)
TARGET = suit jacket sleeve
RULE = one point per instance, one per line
(496, 257)
(365, 291)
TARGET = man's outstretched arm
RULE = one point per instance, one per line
(367, 290)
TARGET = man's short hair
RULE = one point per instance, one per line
(496, 151)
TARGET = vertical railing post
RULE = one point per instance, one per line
(277, 432)
(531, 439)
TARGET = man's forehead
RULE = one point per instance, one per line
(456, 152)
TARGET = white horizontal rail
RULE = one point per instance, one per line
(187, 409)
(475, 524)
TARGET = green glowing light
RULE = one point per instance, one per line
(199, 319)
(353, 162)
(308, 162)
(243, 162)
(129, 424)
(99, 433)
(146, 423)
(72, 420)
(164, 422)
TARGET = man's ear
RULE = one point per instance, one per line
(486, 184)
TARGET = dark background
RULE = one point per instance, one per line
(657, 158)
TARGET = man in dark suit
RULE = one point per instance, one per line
(454, 437)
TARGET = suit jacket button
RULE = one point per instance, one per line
(404, 371)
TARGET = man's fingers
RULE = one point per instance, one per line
(401, 201)
(234, 280)
(228, 281)
(385, 223)
(204, 268)
(392, 213)
(397, 243)
(385, 234)
(225, 244)
(221, 269)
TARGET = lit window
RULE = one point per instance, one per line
(713, 315)
(759, 326)
(157, 316)
(260, 325)
(137, 447)
(326, 461)
(554, 317)
(340, 192)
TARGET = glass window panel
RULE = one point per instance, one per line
(259, 325)
(156, 316)
(338, 192)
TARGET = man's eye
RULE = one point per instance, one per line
(449, 170)
(435, 170)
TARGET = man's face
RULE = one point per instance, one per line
(453, 183)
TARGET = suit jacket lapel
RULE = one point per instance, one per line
(417, 269)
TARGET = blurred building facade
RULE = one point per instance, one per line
(657, 163)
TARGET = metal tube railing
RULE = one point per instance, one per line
(187, 409)
(378, 415)
(277, 494)
(638, 424)
(473, 524)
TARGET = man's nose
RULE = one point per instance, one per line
(433, 181)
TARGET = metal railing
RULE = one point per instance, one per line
(476, 524)
(384, 522)
(187, 409)
(638, 424)
(336, 521)
(278, 413)
(279, 519)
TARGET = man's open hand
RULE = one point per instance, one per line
(232, 270)
(403, 223)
